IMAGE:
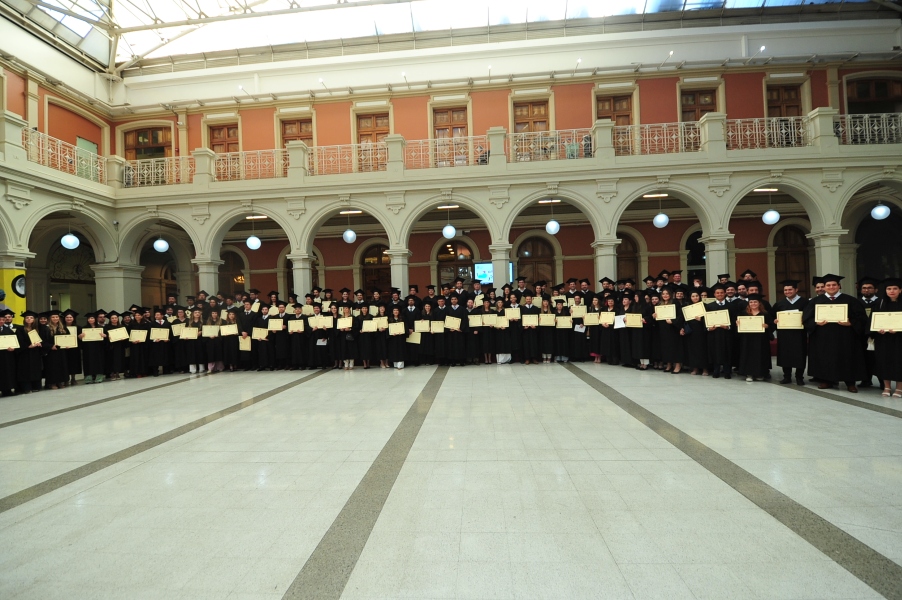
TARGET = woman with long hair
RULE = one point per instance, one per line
(215, 345)
(231, 355)
(93, 353)
(396, 343)
(115, 350)
(669, 334)
(696, 336)
(365, 340)
(427, 342)
(56, 369)
(334, 337)
(347, 339)
(754, 348)
(608, 337)
(194, 349)
(73, 355)
(546, 334)
(30, 356)
(888, 343)
(592, 331)
(380, 341)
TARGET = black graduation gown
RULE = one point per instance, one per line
(73, 355)
(696, 345)
(214, 347)
(139, 354)
(56, 367)
(178, 354)
(792, 344)
(298, 343)
(318, 356)
(720, 341)
(887, 346)
(195, 351)
(413, 350)
(456, 341)
(834, 351)
(280, 340)
(438, 339)
(754, 350)
(230, 352)
(608, 344)
(380, 343)
(546, 338)
(365, 340)
(427, 341)
(634, 342)
(474, 336)
(7, 361)
(579, 342)
(516, 333)
(396, 344)
(347, 341)
(562, 337)
(93, 356)
(115, 351)
(29, 361)
(529, 336)
(669, 338)
(266, 351)
(159, 351)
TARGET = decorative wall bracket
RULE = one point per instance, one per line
(297, 205)
(776, 176)
(719, 183)
(606, 189)
(551, 186)
(832, 179)
(200, 212)
(663, 179)
(18, 194)
(498, 195)
(394, 201)
(344, 199)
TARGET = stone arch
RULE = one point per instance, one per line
(799, 190)
(551, 239)
(224, 223)
(135, 234)
(893, 182)
(7, 232)
(430, 204)
(799, 222)
(459, 237)
(329, 210)
(681, 192)
(596, 220)
(641, 245)
(92, 225)
(362, 248)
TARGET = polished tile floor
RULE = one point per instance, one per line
(547, 481)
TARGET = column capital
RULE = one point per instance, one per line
(826, 235)
(299, 256)
(498, 248)
(117, 269)
(12, 259)
(207, 262)
(399, 252)
(609, 243)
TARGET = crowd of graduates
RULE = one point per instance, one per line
(666, 325)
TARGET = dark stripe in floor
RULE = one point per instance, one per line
(326, 573)
(874, 569)
(812, 390)
(87, 404)
(55, 483)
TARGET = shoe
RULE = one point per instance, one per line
(824, 386)
(852, 389)
(748, 379)
(716, 375)
(728, 376)
(786, 380)
(886, 393)
(800, 381)
(897, 394)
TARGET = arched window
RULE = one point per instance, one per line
(627, 259)
(791, 258)
(535, 260)
(696, 258)
(879, 247)
(455, 259)
(231, 273)
(376, 268)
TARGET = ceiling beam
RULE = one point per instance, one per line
(888, 4)
(69, 13)
(252, 15)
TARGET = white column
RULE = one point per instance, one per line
(826, 252)
(501, 256)
(400, 258)
(185, 281)
(37, 289)
(605, 258)
(118, 285)
(848, 261)
(302, 272)
(207, 274)
(11, 140)
(718, 255)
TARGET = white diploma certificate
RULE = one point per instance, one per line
(665, 311)
(368, 326)
(886, 321)
(546, 320)
(633, 320)
(210, 331)
(259, 333)
(690, 311)
(158, 333)
(563, 322)
(421, 326)
(832, 312)
(65, 341)
(530, 320)
(92, 334)
(717, 318)
(118, 334)
(274, 324)
(790, 319)
(396, 329)
(475, 320)
(138, 335)
(228, 330)
(452, 323)
(295, 326)
(189, 333)
(345, 322)
(437, 326)
(750, 324)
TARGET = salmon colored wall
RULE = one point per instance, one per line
(258, 129)
(490, 109)
(333, 124)
(663, 240)
(573, 106)
(195, 139)
(820, 95)
(750, 232)
(745, 95)
(15, 93)
(411, 117)
(68, 126)
(658, 100)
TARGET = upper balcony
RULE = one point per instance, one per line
(497, 149)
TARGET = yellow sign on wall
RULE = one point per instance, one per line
(12, 290)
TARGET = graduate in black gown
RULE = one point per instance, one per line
(474, 337)
(214, 344)
(115, 351)
(30, 356)
(230, 343)
(696, 339)
(365, 339)
(562, 336)
(670, 332)
(888, 342)
(579, 340)
(396, 343)
(456, 339)
(634, 351)
(266, 352)
(592, 331)
(73, 355)
(792, 344)
(546, 333)
(280, 341)
(608, 337)
(501, 336)
(159, 358)
(319, 341)
(194, 349)
(93, 353)
(438, 339)
(720, 338)
(834, 351)
(529, 335)
(427, 340)
(8, 349)
(56, 368)
(754, 348)
(515, 330)
(347, 338)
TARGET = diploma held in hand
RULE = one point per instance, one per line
(452, 323)
(883, 321)
(530, 320)
(414, 338)
(564, 322)
(512, 313)
(259, 333)
(245, 344)
(138, 335)
(633, 320)
(65, 341)
(437, 327)
(578, 312)
(606, 317)
(832, 312)
(9, 341)
(118, 334)
(591, 318)
(381, 322)
(790, 319)
(34, 337)
(177, 329)
(307, 310)
(396, 329)
(690, 311)
(296, 326)
(228, 330)
(665, 311)
(475, 320)
(751, 324)
(546, 320)
(489, 319)
(345, 322)
(92, 334)
(368, 326)
(717, 318)
(274, 324)
(210, 331)
(159, 333)
(421, 326)
(189, 333)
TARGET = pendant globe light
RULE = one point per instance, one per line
(253, 242)
(770, 216)
(661, 220)
(349, 236)
(161, 245)
(448, 231)
(880, 212)
(552, 226)
(70, 241)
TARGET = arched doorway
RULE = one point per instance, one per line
(71, 280)
(879, 252)
(158, 280)
(375, 268)
(314, 275)
(455, 259)
(231, 273)
(696, 258)
(792, 258)
(535, 260)
(628, 258)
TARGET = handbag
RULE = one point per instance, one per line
(349, 337)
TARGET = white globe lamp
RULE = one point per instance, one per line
(253, 242)
(661, 220)
(449, 231)
(349, 236)
(161, 245)
(69, 241)
(552, 227)
(770, 217)
(880, 212)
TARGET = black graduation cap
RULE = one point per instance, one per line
(718, 286)
(221, 293)
(412, 286)
(757, 297)
(281, 303)
(541, 282)
(663, 273)
(395, 290)
(528, 293)
(630, 281)
(573, 280)
(748, 272)
(446, 286)
(100, 311)
(723, 276)
(891, 281)
(792, 282)
(676, 272)
(607, 280)
(586, 281)
(475, 281)
(293, 297)
(756, 284)
(358, 291)
(69, 311)
(459, 280)
(6, 312)
(188, 298)
(308, 295)
(253, 291)
(831, 277)
(430, 287)
(317, 289)
(273, 293)
(647, 278)
(521, 278)
(113, 313)
(178, 307)
(202, 292)
(327, 290)
(344, 290)
(867, 279)
(560, 300)
(135, 307)
(30, 313)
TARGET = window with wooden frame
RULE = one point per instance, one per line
(297, 130)
(616, 108)
(152, 142)
(783, 102)
(224, 138)
(372, 129)
(874, 96)
(696, 103)
(531, 116)
(448, 125)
